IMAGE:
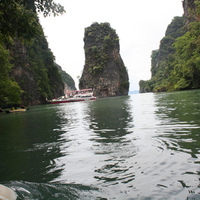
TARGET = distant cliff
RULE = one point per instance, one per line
(104, 70)
(69, 84)
(175, 65)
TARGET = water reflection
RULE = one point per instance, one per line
(110, 118)
(96, 149)
(178, 133)
(30, 145)
(179, 116)
(111, 121)
(143, 146)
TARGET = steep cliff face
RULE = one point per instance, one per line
(28, 74)
(175, 65)
(34, 71)
(23, 74)
(189, 7)
(162, 59)
(104, 70)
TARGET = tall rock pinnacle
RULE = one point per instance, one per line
(104, 70)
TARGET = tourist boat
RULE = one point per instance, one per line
(74, 96)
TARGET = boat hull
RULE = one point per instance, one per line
(16, 110)
(74, 96)
(71, 100)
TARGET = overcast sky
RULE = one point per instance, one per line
(140, 25)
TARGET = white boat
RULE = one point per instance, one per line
(74, 96)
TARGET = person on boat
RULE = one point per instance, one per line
(1, 110)
(23, 107)
(12, 108)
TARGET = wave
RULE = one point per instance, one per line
(51, 191)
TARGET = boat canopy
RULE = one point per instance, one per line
(75, 91)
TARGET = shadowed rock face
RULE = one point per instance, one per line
(104, 70)
(189, 7)
(35, 72)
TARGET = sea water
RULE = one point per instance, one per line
(142, 146)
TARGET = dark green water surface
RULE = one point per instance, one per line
(142, 146)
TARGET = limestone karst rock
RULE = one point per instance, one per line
(173, 65)
(189, 7)
(104, 70)
(69, 84)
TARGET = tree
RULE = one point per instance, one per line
(186, 73)
(187, 62)
(162, 60)
(9, 90)
(18, 20)
(19, 17)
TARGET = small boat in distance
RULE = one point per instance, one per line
(74, 96)
(16, 110)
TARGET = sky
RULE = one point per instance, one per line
(140, 25)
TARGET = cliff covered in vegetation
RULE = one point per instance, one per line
(69, 84)
(28, 73)
(176, 64)
(104, 70)
(34, 71)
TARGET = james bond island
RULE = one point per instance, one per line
(104, 70)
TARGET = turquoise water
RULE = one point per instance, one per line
(142, 146)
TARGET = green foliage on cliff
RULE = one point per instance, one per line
(27, 65)
(124, 86)
(9, 89)
(18, 17)
(104, 38)
(187, 57)
(187, 65)
(162, 60)
(42, 65)
(104, 70)
(176, 65)
(66, 78)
